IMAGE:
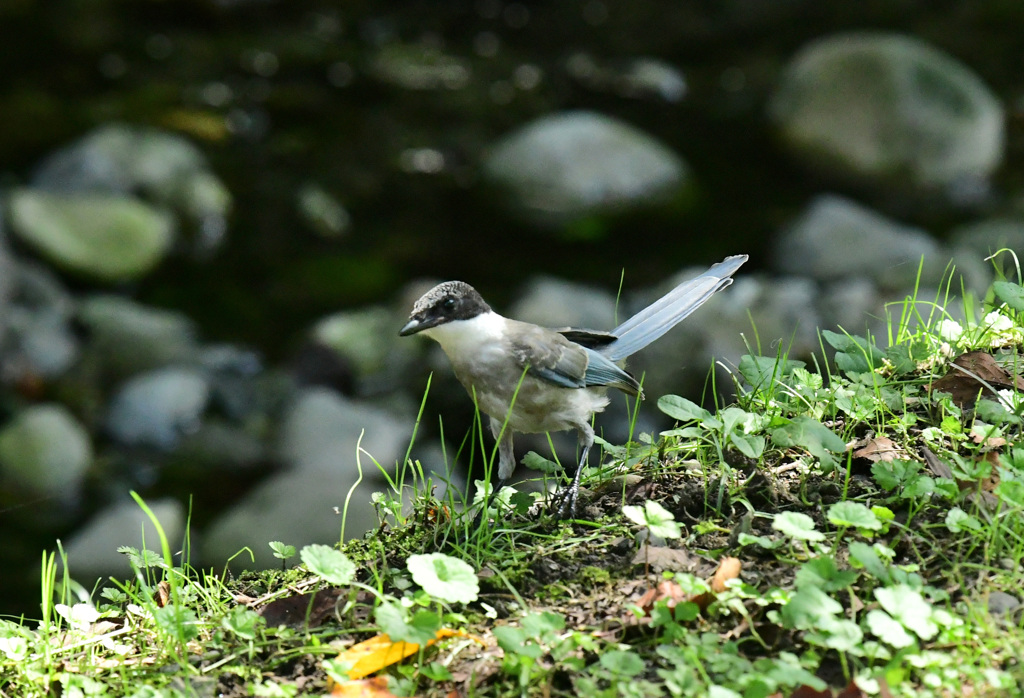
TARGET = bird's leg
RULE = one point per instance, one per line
(506, 464)
(569, 495)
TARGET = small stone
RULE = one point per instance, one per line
(156, 408)
(92, 551)
(46, 450)
(837, 238)
(130, 337)
(551, 302)
(102, 236)
(1001, 603)
(365, 338)
(568, 166)
(325, 439)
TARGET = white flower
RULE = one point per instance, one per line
(80, 616)
(949, 330)
(997, 322)
(1013, 399)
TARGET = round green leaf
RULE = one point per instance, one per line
(853, 514)
(444, 577)
(623, 663)
(330, 564)
(797, 526)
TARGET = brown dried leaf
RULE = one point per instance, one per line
(666, 589)
(661, 558)
(162, 595)
(728, 568)
(806, 691)
(968, 376)
(878, 449)
(852, 690)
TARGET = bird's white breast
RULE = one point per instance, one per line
(468, 337)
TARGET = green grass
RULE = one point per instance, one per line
(878, 523)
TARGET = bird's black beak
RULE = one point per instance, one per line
(417, 324)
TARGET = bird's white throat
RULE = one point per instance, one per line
(460, 336)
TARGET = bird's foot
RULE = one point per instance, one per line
(564, 504)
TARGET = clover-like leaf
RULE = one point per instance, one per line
(908, 607)
(330, 564)
(623, 663)
(391, 620)
(655, 517)
(797, 526)
(761, 371)
(810, 608)
(854, 354)
(823, 573)
(535, 461)
(888, 630)
(810, 434)
(868, 558)
(444, 577)
(958, 521)
(1010, 293)
(853, 514)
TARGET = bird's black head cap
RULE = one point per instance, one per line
(446, 302)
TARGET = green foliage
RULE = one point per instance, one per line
(655, 517)
(329, 564)
(445, 578)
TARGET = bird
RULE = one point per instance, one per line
(531, 379)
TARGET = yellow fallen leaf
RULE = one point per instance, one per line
(377, 687)
(379, 651)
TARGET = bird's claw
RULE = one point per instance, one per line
(565, 501)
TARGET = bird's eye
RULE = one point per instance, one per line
(448, 304)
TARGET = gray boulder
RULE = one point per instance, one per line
(324, 440)
(157, 408)
(44, 449)
(102, 236)
(92, 551)
(837, 238)
(127, 337)
(568, 166)
(891, 107)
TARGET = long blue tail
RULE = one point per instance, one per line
(666, 312)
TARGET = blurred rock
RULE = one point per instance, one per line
(367, 340)
(321, 438)
(6, 279)
(101, 236)
(551, 302)
(44, 449)
(837, 238)
(891, 108)
(92, 551)
(637, 78)
(156, 408)
(853, 305)
(980, 240)
(567, 166)
(232, 372)
(419, 67)
(40, 340)
(218, 445)
(129, 337)
(1000, 603)
(324, 213)
(162, 167)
